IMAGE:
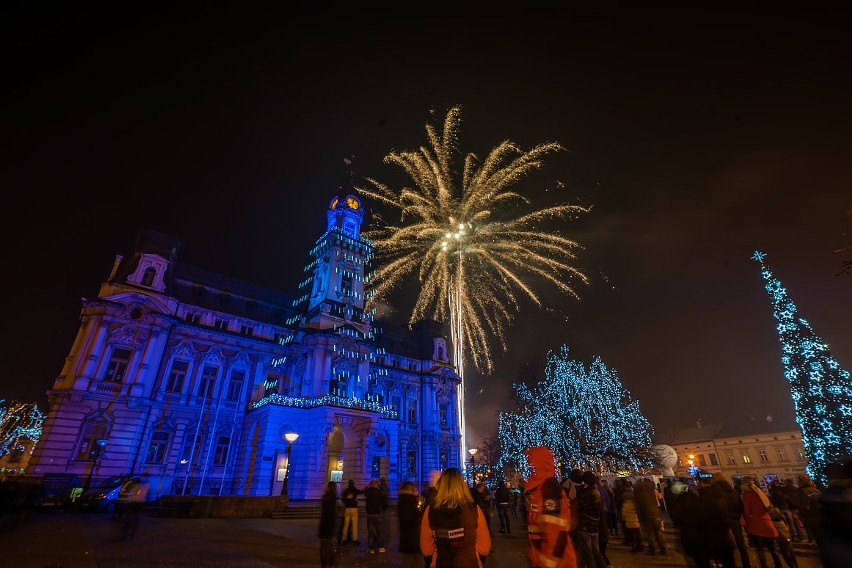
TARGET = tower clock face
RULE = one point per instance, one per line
(353, 203)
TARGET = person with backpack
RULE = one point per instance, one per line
(549, 515)
(453, 532)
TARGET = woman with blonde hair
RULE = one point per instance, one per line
(453, 532)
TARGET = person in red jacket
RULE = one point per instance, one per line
(758, 522)
(549, 516)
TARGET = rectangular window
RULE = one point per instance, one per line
(701, 460)
(746, 457)
(337, 386)
(396, 404)
(761, 453)
(158, 448)
(443, 415)
(376, 469)
(411, 461)
(223, 443)
(779, 452)
(177, 375)
(346, 283)
(730, 456)
(800, 452)
(117, 365)
(713, 460)
(235, 385)
(89, 448)
(191, 450)
(207, 386)
(412, 412)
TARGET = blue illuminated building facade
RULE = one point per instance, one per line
(186, 373)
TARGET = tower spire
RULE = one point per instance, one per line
(821, 390)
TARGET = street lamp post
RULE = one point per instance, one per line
(96, 452)
(472, 452)
(290, 437)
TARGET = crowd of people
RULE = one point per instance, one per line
(569, 522)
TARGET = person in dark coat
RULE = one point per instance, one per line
(702, 527)
(645, 493)
(327, 526)
(375, 505)
(728, 500)
(503, 496)
(408, 515)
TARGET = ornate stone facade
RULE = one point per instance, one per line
(199, 376)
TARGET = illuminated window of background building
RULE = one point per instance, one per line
(731, 459)
(117, 365)
(761, 453)
(746, 457)
(800, 452)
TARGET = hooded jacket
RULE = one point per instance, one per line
(549, 516)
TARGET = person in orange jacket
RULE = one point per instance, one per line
(549, 516)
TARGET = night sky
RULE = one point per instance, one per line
(697, 134)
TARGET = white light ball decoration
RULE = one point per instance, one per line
(665, 458)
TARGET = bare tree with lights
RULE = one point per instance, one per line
(819, 386)
(582, 413)
(20, 423)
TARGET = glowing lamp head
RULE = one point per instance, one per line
(472, 451)
(291, 437)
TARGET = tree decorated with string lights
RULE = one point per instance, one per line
(582, 413)
(20, 424)
(820, 388)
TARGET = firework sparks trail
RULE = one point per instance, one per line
(473, 260)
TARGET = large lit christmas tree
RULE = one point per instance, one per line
(821, 390)
(581, 413)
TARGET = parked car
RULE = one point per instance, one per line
(59, 489)
(105, 496)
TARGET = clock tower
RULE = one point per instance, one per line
(337, 273)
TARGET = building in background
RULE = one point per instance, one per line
(761, 449)
(187, 373)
